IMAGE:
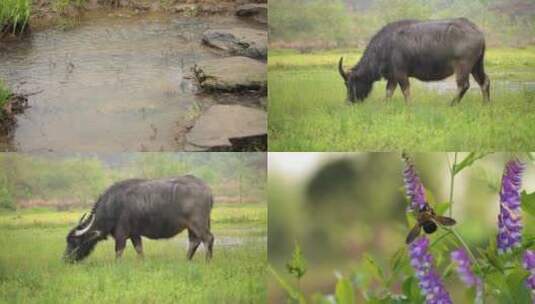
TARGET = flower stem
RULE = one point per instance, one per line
(453, 231)
(463, 243)
(452, 183)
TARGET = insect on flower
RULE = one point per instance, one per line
(428, 220)
(426, 217)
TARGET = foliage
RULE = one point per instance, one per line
(297, 265)
(318, 20)
(503, 275)
(415, 9)
(14, 15)
(308, 111)
(154, 165)
(235, 275)
(6, 200)
(77, 181)
(327, 24)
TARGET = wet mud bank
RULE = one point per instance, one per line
(118, 82)
(47, 13)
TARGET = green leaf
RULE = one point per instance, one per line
(528, 202)
(441, 208)
(468, 161)
(399, 259)
(292, 292)
(470, 294)
(344, 292)
(491, 254)
(411, 219)
(411, 290)
(319, 298)
(376, 269)
(517, 285)
(499, 287)
(297, 265)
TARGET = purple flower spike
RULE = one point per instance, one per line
(430, 282)
(529, 264)
(509, 220)
(464, 265)
(413, 187)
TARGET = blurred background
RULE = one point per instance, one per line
(340, 207)
(351, 23)
(66, 181)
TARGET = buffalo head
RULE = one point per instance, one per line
(358, 87)
(82, 239)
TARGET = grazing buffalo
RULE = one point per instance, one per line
(154, 209)
(426, 50)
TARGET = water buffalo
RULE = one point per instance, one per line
(154, 209)
(426, 50)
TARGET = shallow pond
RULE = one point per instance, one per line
(110, 84)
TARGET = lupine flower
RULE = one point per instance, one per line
(413, 187)
(464, 265)
(429, 280)
(509, 221)
(529, 264)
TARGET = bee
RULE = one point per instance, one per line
(427, 219)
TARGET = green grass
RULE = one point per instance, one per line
(4, 93)
(31, 270)
(15, 13)
(308, 112)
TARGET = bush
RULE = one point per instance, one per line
(14, 15)
(6, 200)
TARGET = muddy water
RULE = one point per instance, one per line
(110, 84)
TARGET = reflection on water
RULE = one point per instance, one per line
(447, 86)
(110, 84)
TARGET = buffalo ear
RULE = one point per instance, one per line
(94, 234)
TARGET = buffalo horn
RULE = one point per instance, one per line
(84, 230)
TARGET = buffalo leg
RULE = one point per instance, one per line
(138, 246)
(208, 242)
(194, 242)
(482, 80)
(390, 88)
(463, 83)
(405, 88)
(120, 244)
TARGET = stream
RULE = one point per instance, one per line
(109, 84)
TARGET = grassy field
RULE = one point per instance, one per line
(31, 270)
(308, 112)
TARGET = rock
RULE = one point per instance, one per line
(228, 128)
(231, 74)
(255, 11)
(238, 41)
